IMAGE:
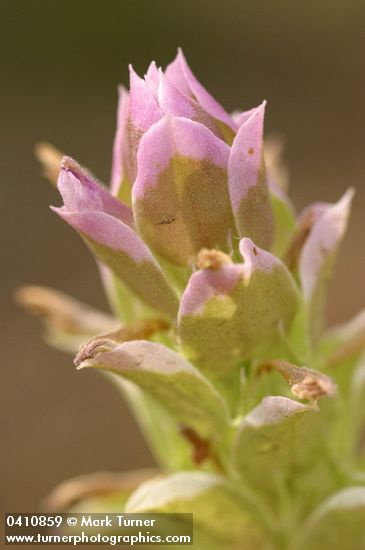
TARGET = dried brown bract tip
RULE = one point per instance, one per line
(305, 384)
(62, 312)
(51, 159)
(138, 330)
(96, 485)
(212, 259)
(200, 447)
(311, 388)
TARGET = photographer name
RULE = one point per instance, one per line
(115, 521)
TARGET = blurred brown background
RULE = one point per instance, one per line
(61, 61)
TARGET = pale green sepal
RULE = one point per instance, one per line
(158, 426)
(284, 223)
(170, 379)
(338, 523)
(217, 508)
(270, 442)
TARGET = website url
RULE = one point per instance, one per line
(111, 540)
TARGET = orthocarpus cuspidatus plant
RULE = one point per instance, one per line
(254, 411)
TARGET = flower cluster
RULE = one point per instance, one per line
(218, 289)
